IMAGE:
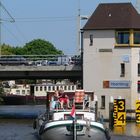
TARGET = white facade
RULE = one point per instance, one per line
(18, 90)
(39, 89)
(102, 62)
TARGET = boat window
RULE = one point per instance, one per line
(78, 117)
(67, 117)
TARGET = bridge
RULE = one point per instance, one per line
(40, 72)
(40, 67)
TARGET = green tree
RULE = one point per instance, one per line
(18, 51)
(7, 49)
(34, 47)
(40, 47)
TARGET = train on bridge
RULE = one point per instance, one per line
(39, 60)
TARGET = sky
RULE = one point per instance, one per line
(51, 20)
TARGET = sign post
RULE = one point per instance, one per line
(137, 111)
(119, 112)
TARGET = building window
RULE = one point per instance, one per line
(72, 87)
(122, 70)
(136, 37)
(91, 40)
(41, 88)
(138, 69)
(103, 102)
(18, 92)
(138, 85)
(36, 88)
(28, 91)
(65, 87)
(49, 88)
(45, 88)
(23, 91)
(53, 87)
(122, 37)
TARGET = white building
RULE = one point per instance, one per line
(18, 90)
(111, 54)
(39, 89)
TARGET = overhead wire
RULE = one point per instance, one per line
(35, 19)
(12, 19)
(30, 19)
(45, 19)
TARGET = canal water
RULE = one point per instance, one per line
(16, 122)
(17, 129)
(21, 128)
(131, 129)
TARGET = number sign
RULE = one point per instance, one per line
(119, 112)
(137, 111)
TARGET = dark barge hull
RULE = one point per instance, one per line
(23, 100)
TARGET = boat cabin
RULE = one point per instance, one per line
(81, 99)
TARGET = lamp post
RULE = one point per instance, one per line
(79, 18)
(79, 49)
(80, 45)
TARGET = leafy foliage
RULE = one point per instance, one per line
(34, 47)
(7, 50)
(40, 47)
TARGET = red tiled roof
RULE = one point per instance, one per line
(114, 16)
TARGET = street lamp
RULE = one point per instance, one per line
(80, 17)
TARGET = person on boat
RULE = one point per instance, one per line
(55, 100)
(63, 98)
